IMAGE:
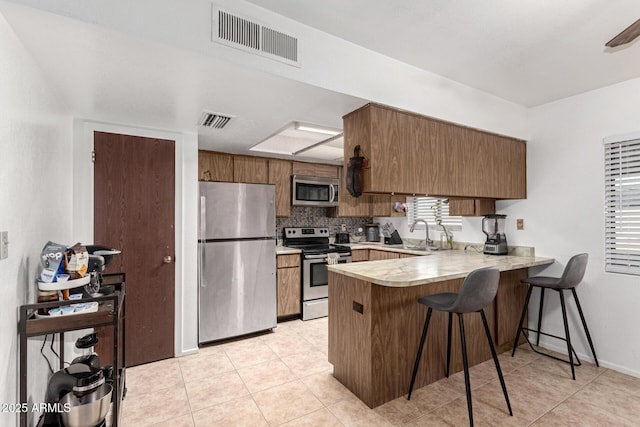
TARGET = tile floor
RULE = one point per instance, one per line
(283, 378)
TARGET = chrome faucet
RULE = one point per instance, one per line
(427, 241)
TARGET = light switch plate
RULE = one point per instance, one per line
(520, 224)
(4, 244)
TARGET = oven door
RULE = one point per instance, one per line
(315, 276)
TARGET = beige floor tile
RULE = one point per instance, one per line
(546, 378)
(610, 398)
(428, 420)
(286, 402)
(320, 418)
(399, 411)
(580, 413)
(288, 344)
(457, 414)
(309, 363)
(207, 362)
(436, 394)
(265, 375)
(620, 381)
(145, 378)
(215, 389)
(523, 356)
(326, 388)
(183, 421)
(584, 373)
(154, 407)
(242, 411)
(249, 353)
(352, 412)
(528, 399)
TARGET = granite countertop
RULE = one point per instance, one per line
(283, 250)
(436, 267)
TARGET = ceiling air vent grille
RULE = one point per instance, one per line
(279, 44)
(237, 30)
(250, 36)
(214, 120)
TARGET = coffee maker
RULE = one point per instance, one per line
(493, 226)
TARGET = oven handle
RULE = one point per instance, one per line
(321, 256)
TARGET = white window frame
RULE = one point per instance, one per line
(432, 209)
(622, 204)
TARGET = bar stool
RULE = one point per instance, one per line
(571, 278)
(478, 290)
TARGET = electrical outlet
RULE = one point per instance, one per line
(4, 244)
(520, 224)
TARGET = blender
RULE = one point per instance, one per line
(493, 227)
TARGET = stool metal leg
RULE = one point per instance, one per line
(495, 360)
(584, 324)
(524, 312)
(449, 344)
(419, 355)
(566, 331)
(540, 317)
(465, 363)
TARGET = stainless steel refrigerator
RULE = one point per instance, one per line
(236, 260)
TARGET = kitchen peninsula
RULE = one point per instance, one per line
(375, 320)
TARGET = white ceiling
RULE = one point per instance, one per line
(529, 52)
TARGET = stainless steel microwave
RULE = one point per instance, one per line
(314, 191)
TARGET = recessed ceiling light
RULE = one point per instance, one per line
(317, 129)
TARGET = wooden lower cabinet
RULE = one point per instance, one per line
(288, 279)
(373, 349)
(375, 255)
(359, 255)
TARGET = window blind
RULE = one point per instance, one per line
(622, 207)
(432, 210)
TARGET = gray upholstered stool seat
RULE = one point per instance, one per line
(478, 290)
(570, 279)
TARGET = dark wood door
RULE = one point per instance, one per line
(134, 203)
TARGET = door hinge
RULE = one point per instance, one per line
(93, 156)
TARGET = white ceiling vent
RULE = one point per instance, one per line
(214, 120)
(250, 36)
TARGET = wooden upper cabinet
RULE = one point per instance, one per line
(213, 166)
(349, 206)
(471, 207)
(413, 154)
(314, 169)
(248, 169)
(280, 175)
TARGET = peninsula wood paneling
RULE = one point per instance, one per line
(509, 303)
(280, 175)
(315, 169)
(373, 349)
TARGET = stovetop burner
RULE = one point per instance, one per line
(311, 240)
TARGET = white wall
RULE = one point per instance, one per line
(35, 201)
(564, 215)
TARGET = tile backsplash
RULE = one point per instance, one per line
(305, 216)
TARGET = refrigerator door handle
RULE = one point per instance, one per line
(203, 234)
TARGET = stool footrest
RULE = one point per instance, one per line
(550, 355)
